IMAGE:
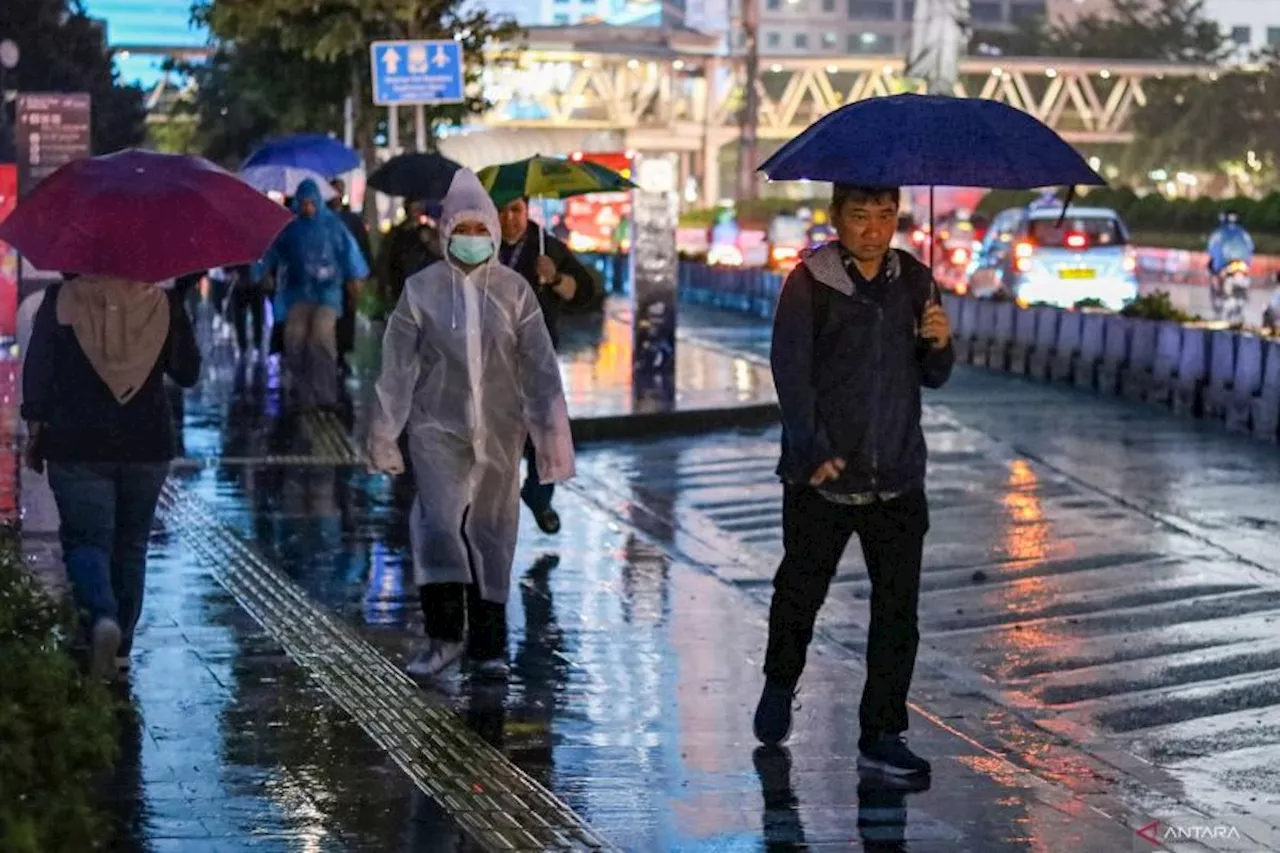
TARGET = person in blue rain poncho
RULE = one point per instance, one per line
(468, 371)
(314, 261)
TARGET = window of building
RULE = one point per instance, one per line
(802, 41)
(773, 5)
(874, 43)
(871, 10)
(1026, 11)
(773, 39)
(1273, 36)
(1242, 35)
(829, 41)
(908, 9)
(828, 5)
(986, 13)
(561, 20)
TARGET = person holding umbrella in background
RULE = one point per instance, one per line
(104, 340)
(557, 277)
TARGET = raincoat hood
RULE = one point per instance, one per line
(467, 200)
(308, 190)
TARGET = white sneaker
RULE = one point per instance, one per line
(492, 668)
(435, 658)
(105, 640)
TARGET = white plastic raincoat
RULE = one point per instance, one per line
(468, 370)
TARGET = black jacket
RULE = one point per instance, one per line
(525, 262)
(848, 365)
(83, 421)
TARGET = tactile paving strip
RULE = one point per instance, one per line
(323, 435)
(500, 806)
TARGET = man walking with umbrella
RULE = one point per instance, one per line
(558, 278)
(856, 334)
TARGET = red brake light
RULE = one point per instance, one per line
(1023, 249)
(1076, 241)
(917, 236)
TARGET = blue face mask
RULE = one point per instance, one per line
(471, 249)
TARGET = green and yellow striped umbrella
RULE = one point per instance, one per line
(549, 177)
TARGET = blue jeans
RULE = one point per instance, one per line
(106, 510)
(537, 495)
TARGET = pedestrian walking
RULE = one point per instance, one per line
(316, 266)
(558, 279)
(248, 308)
(99, 417)
(346, 329)
(856, 335)
(468, 371)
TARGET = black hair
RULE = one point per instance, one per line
(842, 194)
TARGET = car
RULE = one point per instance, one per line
(1049, 256)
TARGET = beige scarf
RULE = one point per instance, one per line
(121, 325)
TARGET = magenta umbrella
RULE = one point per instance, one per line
(142, 216)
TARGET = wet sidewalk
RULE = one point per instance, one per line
(271, 714)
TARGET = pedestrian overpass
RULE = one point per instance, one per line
(593, 87)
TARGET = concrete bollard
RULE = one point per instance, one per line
(1115, 353)
(1135, 379)
(1193, 371)
(1266, 406)
(1246, 382)
(1047, 320)
(1164, 369)
(1024, 339)
(1067, 348)
(1092, 345)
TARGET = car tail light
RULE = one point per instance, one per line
(962, 288)
(1130, 261)
(917, 237)
(1023, 249)
(1077, 241)
(959, 256)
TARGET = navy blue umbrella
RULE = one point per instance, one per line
(931, 140)
(313, 151)
(415, 175)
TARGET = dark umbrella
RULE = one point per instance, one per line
(931, 140)
(415, 176)
(313, 151)
(143, 216)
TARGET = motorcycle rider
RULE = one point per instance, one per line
(1228, 244)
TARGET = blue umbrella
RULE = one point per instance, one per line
(931, 140)
(313, 151)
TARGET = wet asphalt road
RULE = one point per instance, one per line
(1098, 586)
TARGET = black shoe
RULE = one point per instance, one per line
(548, 521)
(773, 715)
(888, 754)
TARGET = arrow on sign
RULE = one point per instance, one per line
(391, 60)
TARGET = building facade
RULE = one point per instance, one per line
(867, 27)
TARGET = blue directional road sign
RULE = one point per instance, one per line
(406, 73)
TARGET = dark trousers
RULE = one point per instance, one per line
(106, 511)
(815, 533)
(248, 305)
(452, 611)
(537, 496)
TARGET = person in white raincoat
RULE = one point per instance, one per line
(468, 370)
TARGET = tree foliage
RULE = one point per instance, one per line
(64, 50)
(335, 35)
(1197, 122)
(253, 89)
(1163, 30)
